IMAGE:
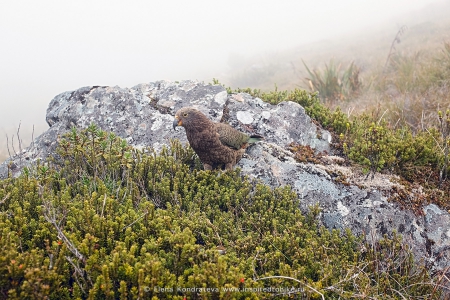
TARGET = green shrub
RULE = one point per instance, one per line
(418, 155)
(334, 120)
(372, 146)
(378, 147)
(103, 221)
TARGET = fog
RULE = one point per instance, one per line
(48, 47)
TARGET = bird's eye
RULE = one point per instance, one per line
(185, 115)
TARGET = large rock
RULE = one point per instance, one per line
(143, 115)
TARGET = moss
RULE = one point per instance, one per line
(304, 153)
(105, 221)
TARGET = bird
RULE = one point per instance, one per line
(216, 144)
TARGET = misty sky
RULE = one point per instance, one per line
(48, 47)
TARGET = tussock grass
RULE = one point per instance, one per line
(333, 84)
(415, 87)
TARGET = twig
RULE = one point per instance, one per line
(125, 194)
(437, 143)
(78, 273)
(438, 283)
(18, 138)
(379, 120)
(350, 111)
(7, 145)
(103, 207)
(421, 120)
(396, 40)
(19, 141)
(50, 265)
(395, 125)
(12, 145)
(32, 137)
(398, 292)
(253, 264)
(215, 231)
(140, 217)
(50, 216)
(52, 220)
(4, 199)
(296, 280)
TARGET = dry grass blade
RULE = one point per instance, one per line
(294, 279)
(396, 40)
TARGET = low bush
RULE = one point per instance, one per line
(101, 220)
(418, 156)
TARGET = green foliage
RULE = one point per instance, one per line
(332, 84)
(372, 146)
(334, 120)
(444, 126)
(104, 221)
(420, 156)
(378, 147)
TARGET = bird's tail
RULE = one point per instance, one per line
(255, 138)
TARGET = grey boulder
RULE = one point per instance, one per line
(143, 116)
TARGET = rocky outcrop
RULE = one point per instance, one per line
(143, 116)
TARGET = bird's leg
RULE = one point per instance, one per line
(239, 155)
(228, 166)
(207, 167)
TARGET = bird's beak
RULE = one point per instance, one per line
(176, 122)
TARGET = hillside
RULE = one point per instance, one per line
(392, 87)
(347, 197)
(367, 47)
(127, 214)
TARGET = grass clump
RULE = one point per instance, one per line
(104, 221)
(414, 87)
(333, 84)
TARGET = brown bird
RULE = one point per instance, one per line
(215, 143)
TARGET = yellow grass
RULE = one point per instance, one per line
(406, 85)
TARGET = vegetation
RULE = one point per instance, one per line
(101, 220)
(334, 120)
(334, 85)
(396, 122)
(418, 157)
(414, 87)
(13, 144)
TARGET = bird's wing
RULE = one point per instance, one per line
(231, 137)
